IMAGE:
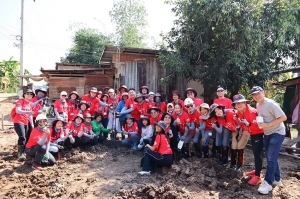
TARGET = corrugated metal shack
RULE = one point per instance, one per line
(76, 77)
(136, 67)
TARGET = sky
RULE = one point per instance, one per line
(47, 36)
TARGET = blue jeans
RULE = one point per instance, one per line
(131, 141)
(272, 144)
(222, 139)
(205, 137)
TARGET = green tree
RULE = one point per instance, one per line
(87, 48)
(10, 70)
(130, 19)
(230, 43)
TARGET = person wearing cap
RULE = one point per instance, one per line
(171, 131)
(274, 134)
(122, 89)
(82, 108)
(240, 138)
(144, 90)
(57, 134)
(88, 137)
(155, 115)
(61, 106)
(247, 116)
(130, 106)
(159, 102)
(205, 127)
(38, 144)
(182, 121)
(151, 99)
(222, 100)
(99, 94)
(225, 126)
(176, 99)
(192, 93)
(99, 130)
(91, 98)
(170, 108)
(131, 129)
(113, 120)
(74, 130)
(160, 154)
(147, 132)
(105, 89)
(193, 126)
(120, 106)
(23, 116)
(37, 101)
(72, 104)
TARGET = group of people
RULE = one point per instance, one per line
(147, 122)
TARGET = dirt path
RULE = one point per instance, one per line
(102, 172)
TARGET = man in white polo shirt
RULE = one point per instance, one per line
(274, 133)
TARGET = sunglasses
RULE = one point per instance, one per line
(188, 106)
(28, 93)
(64, 96)
(220, 90)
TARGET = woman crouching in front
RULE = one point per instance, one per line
(38, 144)
(160, 153)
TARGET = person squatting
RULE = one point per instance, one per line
(163, 131)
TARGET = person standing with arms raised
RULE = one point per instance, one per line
(270, 118)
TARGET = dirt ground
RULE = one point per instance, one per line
(105, 172)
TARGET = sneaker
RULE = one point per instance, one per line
(254, 181)
(36, 166)
(144, 172)
(264, 188)
(250, 173)
(232, 166)
(277, 183)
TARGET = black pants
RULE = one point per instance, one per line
(152, 158)
(258, 150)
(38, 152)
(21, 130)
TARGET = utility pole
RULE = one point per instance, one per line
(21, 45)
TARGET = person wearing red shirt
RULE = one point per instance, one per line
(192, 93)
(222, 100)
(129, 106)
(227, 123)
(38, 144)
(37, 101)
(159, 102)
(160, 154)
(170, 108)
(61, 106)
(141, 105)
(247, 116)
(205, 127)
(91, 98)
(98, 108)
(88, 136)
(176, 99)
(193, 127)
(134, 135)
(182, 121)
(72, 104)
(23, 114)
(144, 90)
(74, 130)
(82, 108)
(122, 89)
(58, 134)
(151, 99)
(155, 115)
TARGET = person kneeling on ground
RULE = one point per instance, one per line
(58, 134)
(98, 128)
(88, 137)
(160, 153)
(131, 128)
(147, 132)
(38, 144)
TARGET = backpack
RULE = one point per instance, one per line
(13, 112)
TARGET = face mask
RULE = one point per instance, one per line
(41, 94)
(157, 100)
